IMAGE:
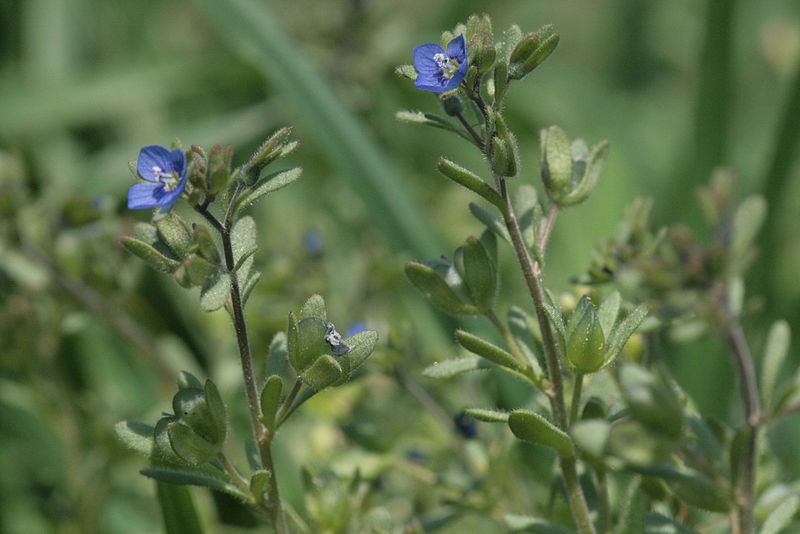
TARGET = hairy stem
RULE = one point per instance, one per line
(576, 399)
(532, 275)
(263, 439)
(286, 407)
(467, 126)
(509, 339)
(743, 361)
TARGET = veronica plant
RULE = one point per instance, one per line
(188, 445)
(637, 428)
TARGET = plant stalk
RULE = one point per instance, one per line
(532, 274)
(246, 359)
(743, 361)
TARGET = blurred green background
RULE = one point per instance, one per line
(91, 336)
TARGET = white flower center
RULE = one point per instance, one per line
(447, 65)
(169, 179)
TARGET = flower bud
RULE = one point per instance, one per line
(569, 171)
(175, 234)
(219, 168)
(453, 105)
(502, 157)
(531, 51)
(585, 351)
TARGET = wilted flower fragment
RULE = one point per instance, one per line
(164, 172)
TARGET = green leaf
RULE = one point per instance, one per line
(625, 329)
(189, 477)
(487, 416)
(363, 344)
(436, 290)
(216, 408)
(530, 426)
(556, 161)
(632, 509)
(490, 221)
(591, 437)
(206, 247)
(324, 372)
(268, 184)
(529, 213)
(781, 516)
(608, 312)
(149, 254)
(747, 222)
(522, 523)
(189, 445)
(451, 368)
(471, 181)
(557, 321)
(175, 233)
(314, 307)
(656, 523)
(293, 340)
(310, 343)
(192, 408)
(187, 380)
(178, 510)
(697, 490)
(135, 435)
(278, 354)
(487, 350)
(480, 274)
(430, 119)
(249, 285)
(270, 399)
(214, 295)
(200, 272)
(258, 485)
(243, 243)
(651, 400)
(775, 351)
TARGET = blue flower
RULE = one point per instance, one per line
(438, 70)
(355, 328)
(164, 172)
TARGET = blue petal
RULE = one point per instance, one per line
(153, 156)
(457, 49)
(177, 161)
(169, 197)
(142, 196)
(458, 75)
(429, 82)
(423, 58)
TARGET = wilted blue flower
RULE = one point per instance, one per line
(313, 243)
(355, 328)
(466, 425)
(440, 70)
(164, 172)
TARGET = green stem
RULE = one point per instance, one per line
(246, 359)
(576, 399)
(509, 339)
(743, 361)
(467, 126)
(532, 275)
(237, 478)
(602, 494)
(286, 407)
